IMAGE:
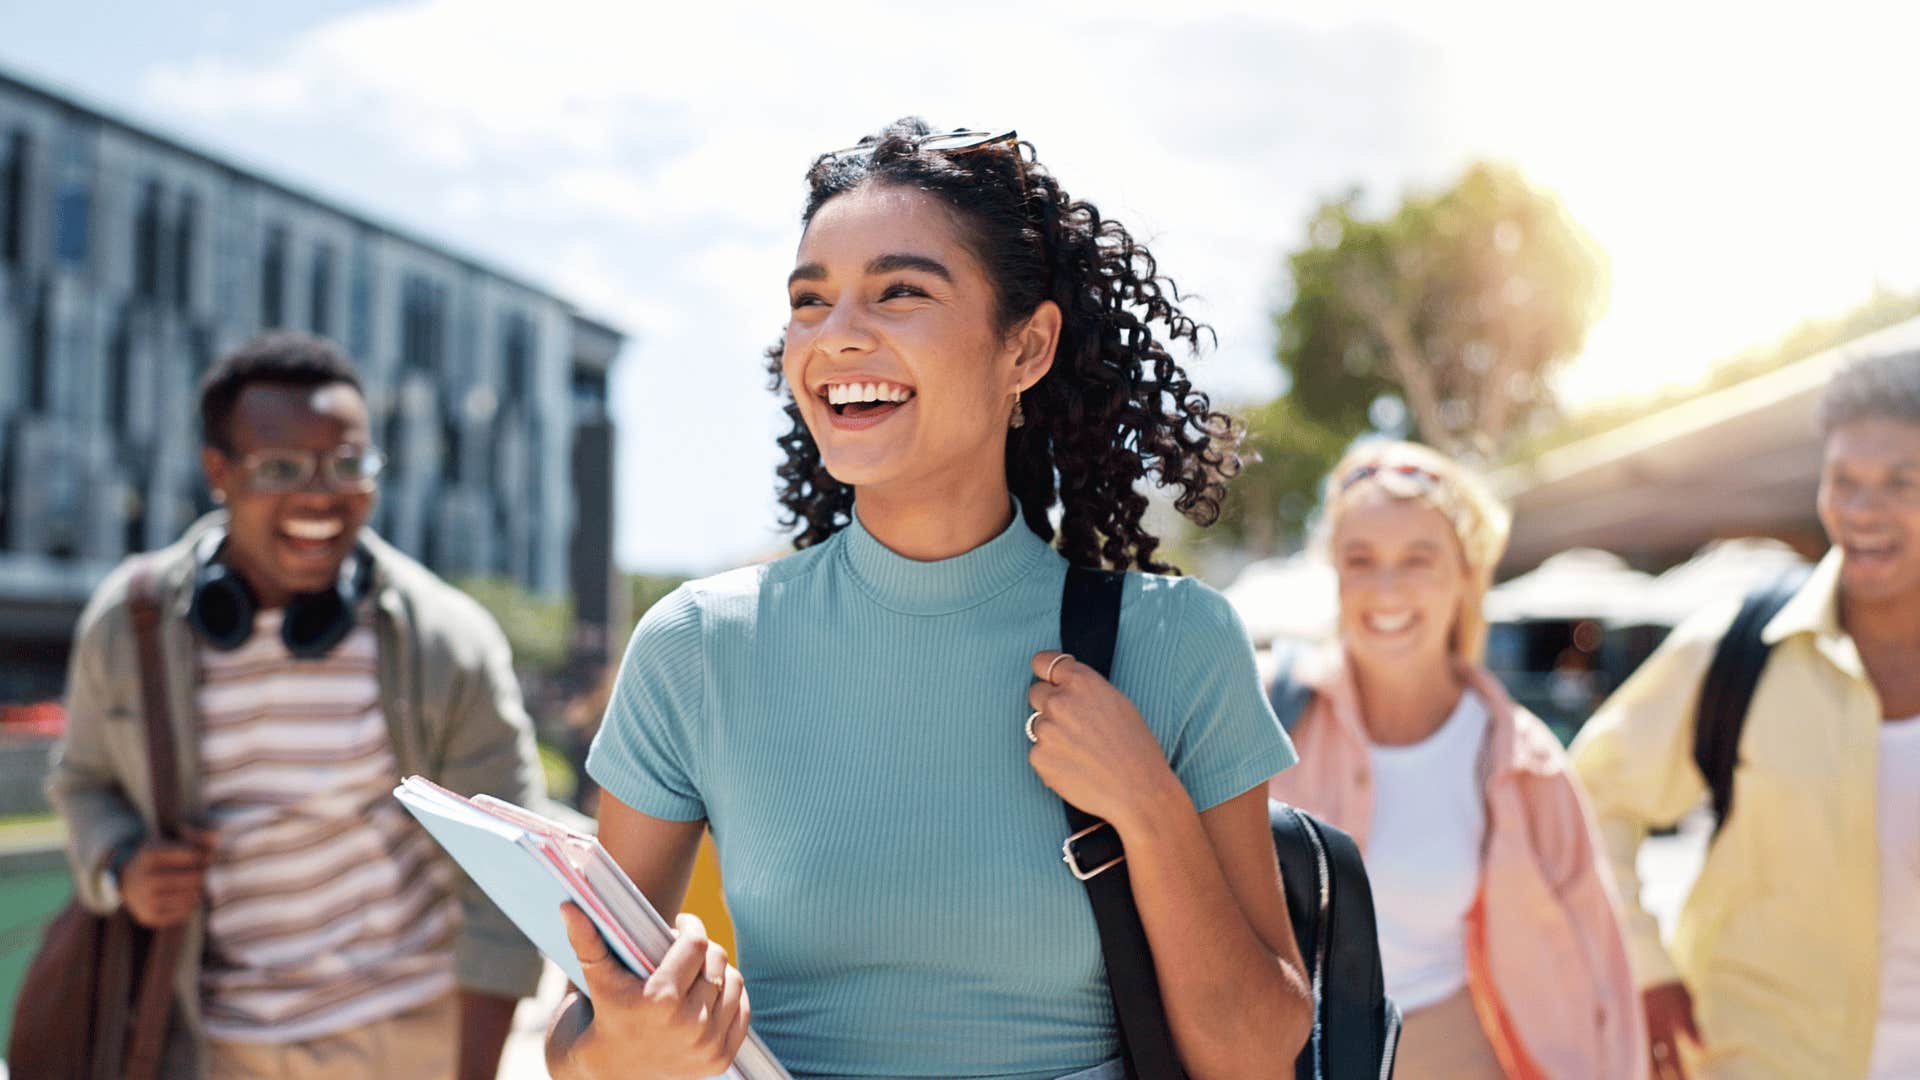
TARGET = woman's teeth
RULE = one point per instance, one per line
(1389, 624)
(853, 393)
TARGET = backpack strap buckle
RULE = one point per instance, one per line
(1070, 854)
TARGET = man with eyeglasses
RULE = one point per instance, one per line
(321, 666)
(1797, 953)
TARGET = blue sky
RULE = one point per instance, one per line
(1742, 170)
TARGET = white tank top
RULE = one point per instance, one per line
(1423, 855)
(1896, 1039)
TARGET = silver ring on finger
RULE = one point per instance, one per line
(1031, 717)
(1054, 663)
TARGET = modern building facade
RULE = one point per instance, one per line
(129, 261)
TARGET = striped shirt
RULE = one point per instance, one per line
(328, 906)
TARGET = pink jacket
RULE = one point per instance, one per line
(1546, 964)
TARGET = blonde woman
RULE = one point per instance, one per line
(1498, 933)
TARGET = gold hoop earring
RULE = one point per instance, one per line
(1019, 418)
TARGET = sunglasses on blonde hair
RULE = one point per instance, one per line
(1425, 478)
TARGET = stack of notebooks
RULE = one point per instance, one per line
(530, 865)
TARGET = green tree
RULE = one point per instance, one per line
(647, 590)
(539, 630)
(1286, 453)
(1444, 317)
(1458, 305)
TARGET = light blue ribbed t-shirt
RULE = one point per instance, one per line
(848, 721)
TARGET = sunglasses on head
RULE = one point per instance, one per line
(1425, 478)
(958, 141)
(948, 142)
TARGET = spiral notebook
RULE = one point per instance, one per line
(530, 865)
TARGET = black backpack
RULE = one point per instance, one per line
(1355, 1026)
(1726, 691)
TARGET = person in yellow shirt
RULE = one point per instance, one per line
(1797, 952)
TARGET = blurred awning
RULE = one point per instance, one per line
(1742, 461)
(1584, 583)
(1723, 572)
(1294, 597)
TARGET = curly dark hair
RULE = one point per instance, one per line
(280, 357)
(1114, 409)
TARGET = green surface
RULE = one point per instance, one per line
(33, 886)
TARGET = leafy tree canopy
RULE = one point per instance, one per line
(1459, 304)
(1441, 320)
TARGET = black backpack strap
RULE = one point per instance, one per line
(1361, 1023)
(1089, 627)
(1727, 690)
(1288, 695)
(1330, 902)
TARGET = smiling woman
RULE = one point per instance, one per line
(1496, 916)
(879, 729)
(1112, 410)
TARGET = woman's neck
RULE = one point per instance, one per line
(937, 521)
(1402, 704)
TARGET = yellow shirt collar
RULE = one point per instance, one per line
(1815, 609)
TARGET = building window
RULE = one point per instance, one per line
(120, 377)
(73, 202)
(146, 243)
(185, 229)
(70, 210)
(13, 199)
(273, 278)
(320, 310)
(451, 452)
(39, 389)
(519, 359)
(360, 306)
(589, 395)
(422, 324)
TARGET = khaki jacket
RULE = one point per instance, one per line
(453, 710)
(1778, 940)
(1546, 964)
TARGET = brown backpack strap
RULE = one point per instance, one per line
(155, 705)
(154, 1005)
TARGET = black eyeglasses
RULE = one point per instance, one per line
(349, 469)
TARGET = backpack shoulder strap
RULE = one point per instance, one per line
(156, 710)
(1089, 628)
(1288, 695)
(1361, 1022)
(1330, 903)
(1726, 691)
(153, 1002)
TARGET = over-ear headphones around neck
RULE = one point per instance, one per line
(223, 606)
